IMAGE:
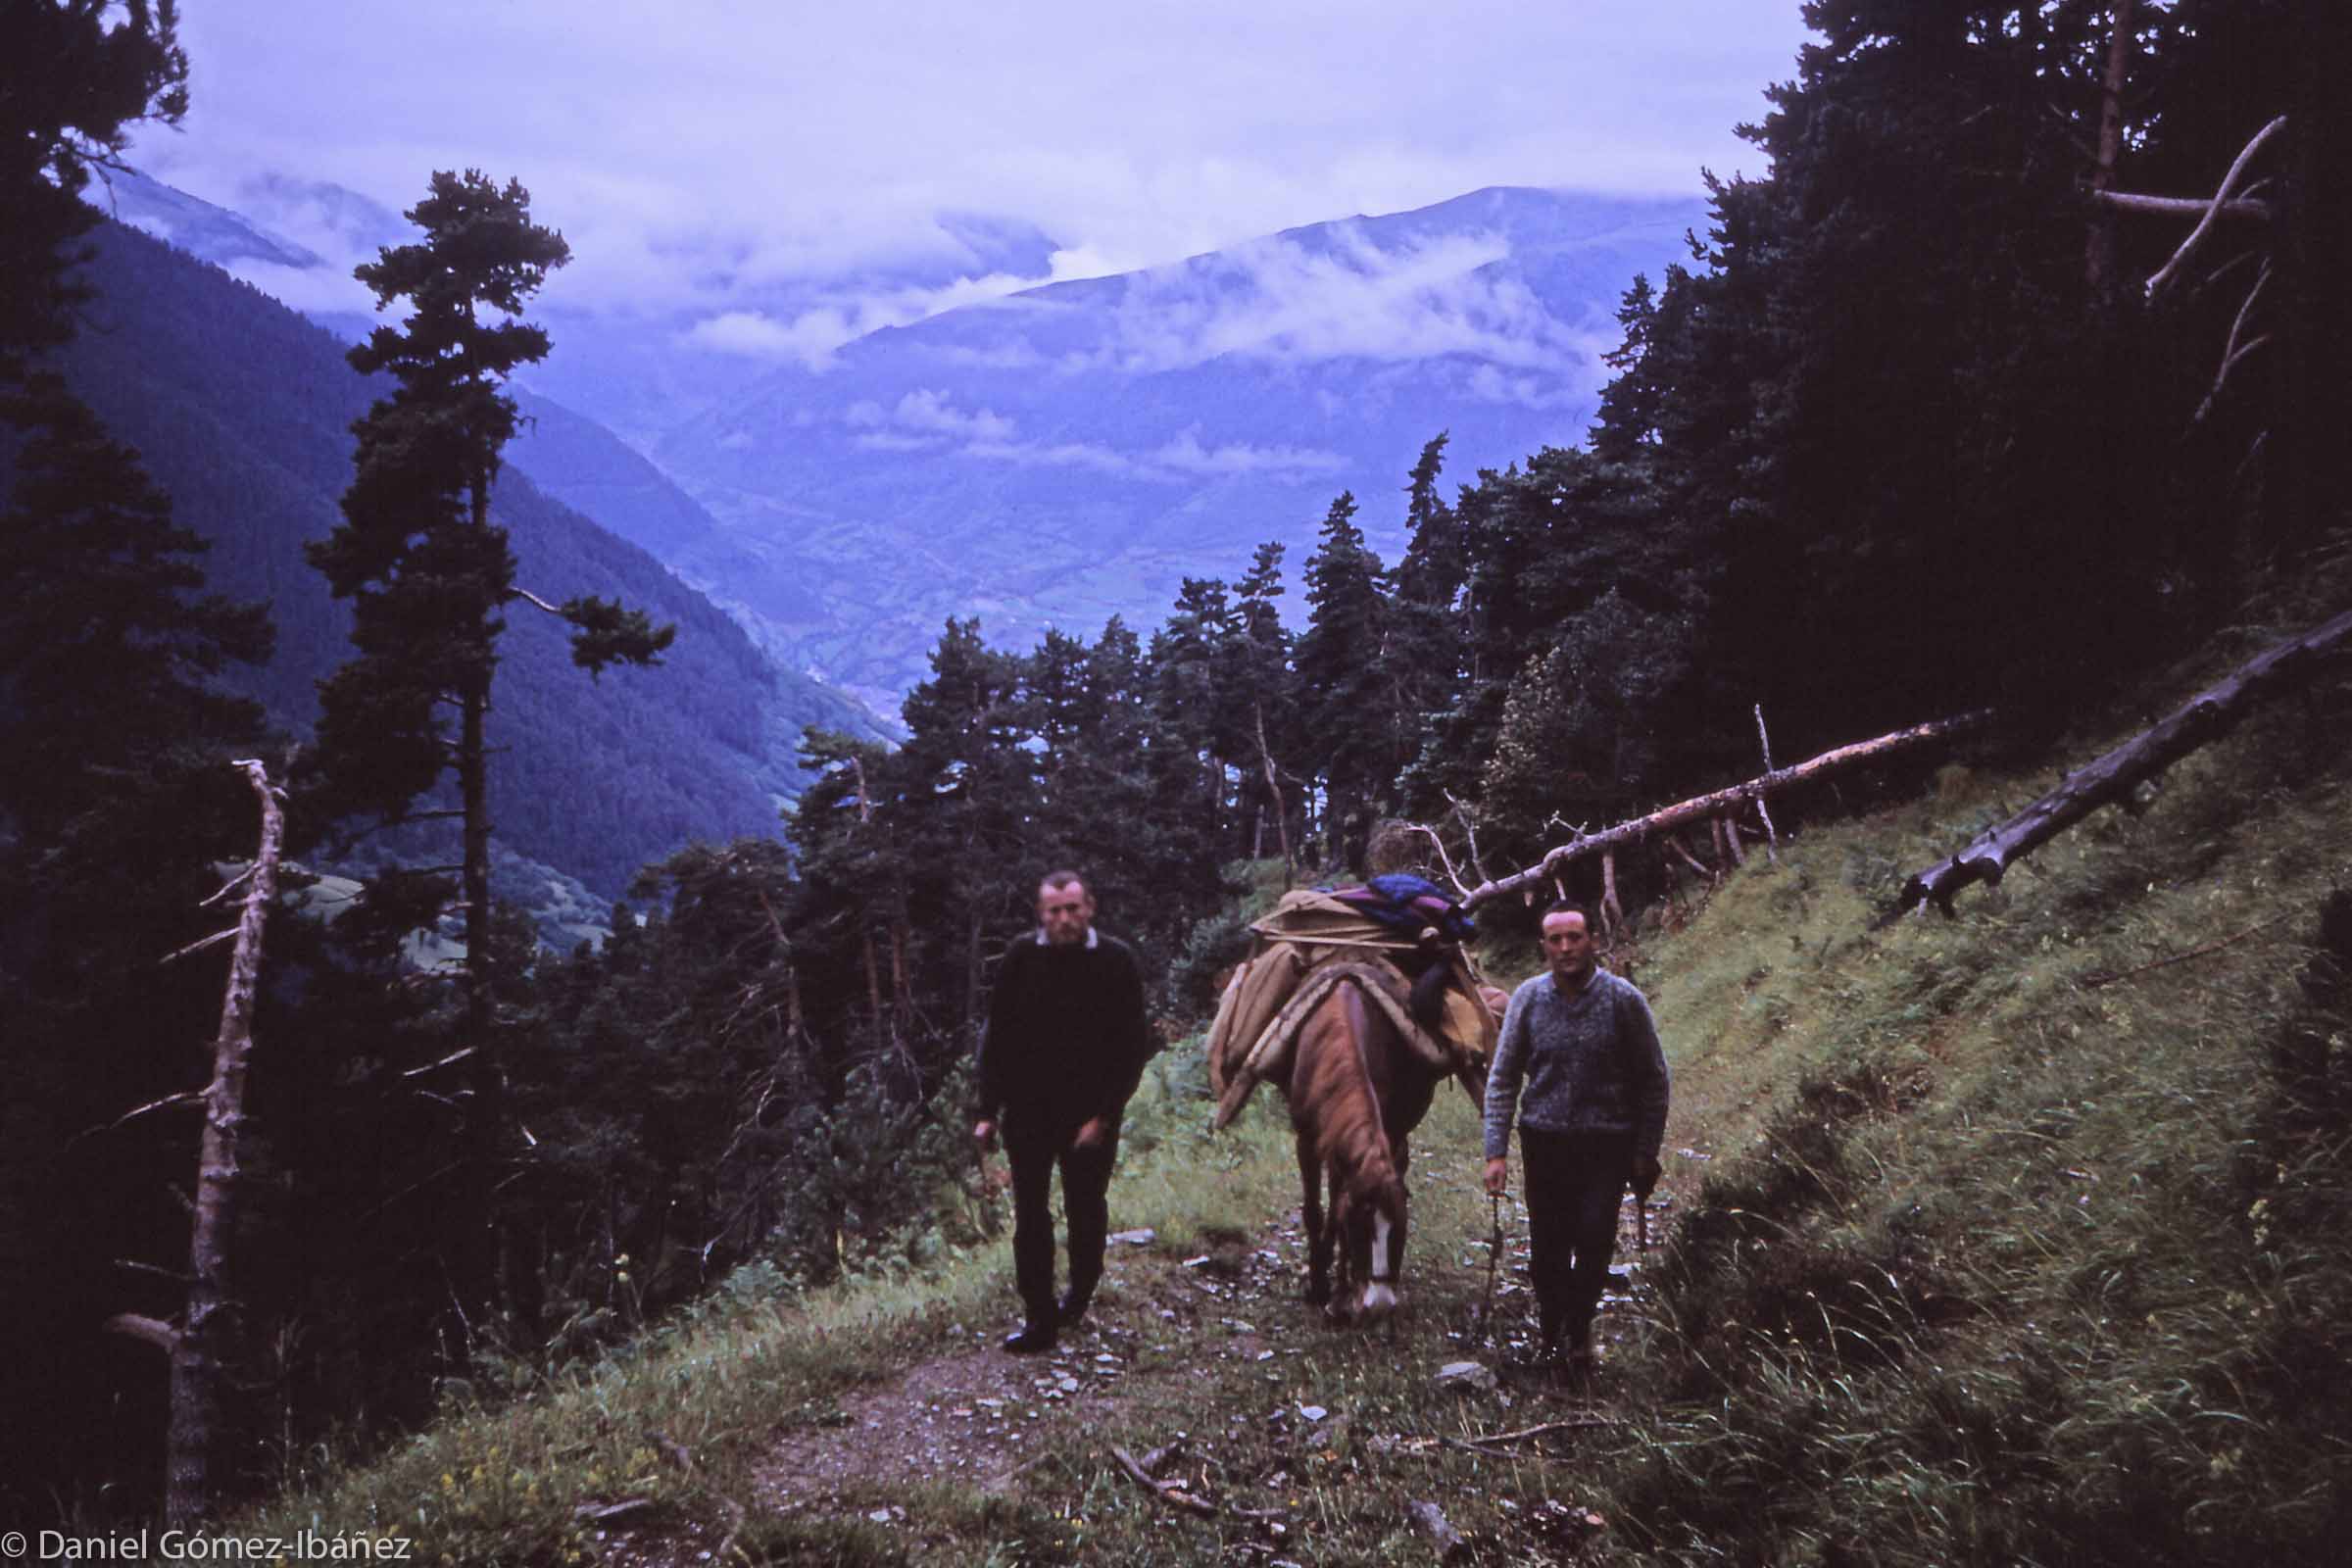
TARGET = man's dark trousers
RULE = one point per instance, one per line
(1575, 1185)
(1085, 1190)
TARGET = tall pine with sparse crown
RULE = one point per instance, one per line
(1341, 692)
(430, 577)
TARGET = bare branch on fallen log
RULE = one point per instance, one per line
(1478, 864)
(2196, 237)
(1444, 860)
(133, 1265)
(1771, 834)
(1699, 808)
(1676, 845)
(198, 946)
(155, 1331)
(231, 886)
(2122, 201)
(2205, 717)
(187, 1097)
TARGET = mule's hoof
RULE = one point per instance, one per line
(1319, 1293)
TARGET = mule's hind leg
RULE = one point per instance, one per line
(1318, 1234)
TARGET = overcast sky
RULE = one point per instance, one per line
(794, 140)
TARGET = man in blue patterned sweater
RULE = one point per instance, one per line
(1581, 1042)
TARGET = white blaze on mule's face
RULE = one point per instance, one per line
(1380, 1296)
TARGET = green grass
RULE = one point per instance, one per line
(1988, 1279)
(1988, 1262)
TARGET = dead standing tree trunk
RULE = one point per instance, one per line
(2099, 254)
(2207, 716)
(203, 1347)
(1282, 815)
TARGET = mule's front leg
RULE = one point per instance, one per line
(1396, 1248)
(1384, 1247)
(1318, 1234)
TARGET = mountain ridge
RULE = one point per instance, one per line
(1073, 451)
(1067, 452)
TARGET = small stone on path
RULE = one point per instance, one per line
(1466, 1375)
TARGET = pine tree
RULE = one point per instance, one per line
(430, 576)
(108, 651)
(962, 823)
(75, 76)
(1341, 694)
(1425, 656)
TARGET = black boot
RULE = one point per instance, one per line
(1035, 1336)
(1071, 1312)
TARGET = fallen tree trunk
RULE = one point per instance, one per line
(1700, 807)
(2204, 717)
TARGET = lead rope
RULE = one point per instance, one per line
(1486, 1310)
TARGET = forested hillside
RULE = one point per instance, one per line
(242, 411)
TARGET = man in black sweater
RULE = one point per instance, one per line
(1065, 1047)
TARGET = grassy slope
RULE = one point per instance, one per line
(1989, 1263)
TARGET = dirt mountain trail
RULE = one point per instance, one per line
(1177, 1337)
(974, 1414)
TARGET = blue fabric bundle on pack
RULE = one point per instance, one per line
(1408, 906)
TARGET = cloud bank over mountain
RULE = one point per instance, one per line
(1073, 451)
(1052, 456)
(758, 166)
